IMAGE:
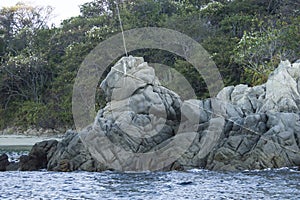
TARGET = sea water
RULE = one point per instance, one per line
(194, 184)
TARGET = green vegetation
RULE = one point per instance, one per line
(246, 39)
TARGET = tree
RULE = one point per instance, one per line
(24, 78)
(260, 51)
(21, 16)
(19, 24)
(97, 8)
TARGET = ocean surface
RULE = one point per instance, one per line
(194, 184)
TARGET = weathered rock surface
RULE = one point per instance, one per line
(141, 115)
(281, 93)
(267, 132)
(72, 155)
(145, 124)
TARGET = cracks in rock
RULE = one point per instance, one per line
(238, 146)
(289, 159)
(297, 139)
(252, 106)
(228, 127)
(142, 88)
(255, 143)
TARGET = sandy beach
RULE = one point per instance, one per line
(22, 140)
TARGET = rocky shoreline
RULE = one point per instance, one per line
(32, 131)
(254, 128)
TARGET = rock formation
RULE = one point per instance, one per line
(146, 126)
(266, 134)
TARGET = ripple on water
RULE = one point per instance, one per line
(194, 184)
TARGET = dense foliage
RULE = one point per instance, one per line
(246, 38)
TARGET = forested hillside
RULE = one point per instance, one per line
(246, 38)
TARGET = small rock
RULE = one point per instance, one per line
(39, 156)
(3, 162)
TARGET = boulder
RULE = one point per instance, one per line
(131, 72)
(38, 156)
(140, 115)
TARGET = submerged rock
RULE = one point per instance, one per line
(144, 125)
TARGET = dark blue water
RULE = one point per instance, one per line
(194, 184)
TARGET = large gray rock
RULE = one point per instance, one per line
(267, 135)
(141, 114)
(144, 126)
(282, 92)
(279, 94)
